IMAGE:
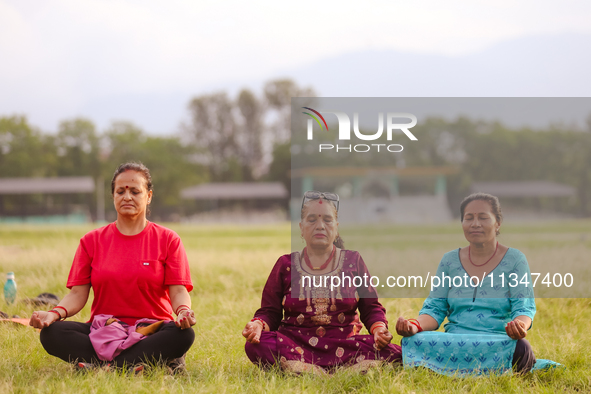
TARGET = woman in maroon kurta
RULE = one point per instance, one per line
(313, 328)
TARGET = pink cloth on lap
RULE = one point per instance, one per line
(109, 341)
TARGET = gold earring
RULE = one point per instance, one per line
(302, 237)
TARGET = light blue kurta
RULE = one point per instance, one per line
(485, 308)
(476, 317)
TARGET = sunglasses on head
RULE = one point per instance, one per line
(316, 195)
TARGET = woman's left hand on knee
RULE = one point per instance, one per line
(185, 319)
(516, 329)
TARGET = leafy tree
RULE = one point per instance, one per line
(281, 165)
(241, 132)
(123, 140)
(278, 94)
(250, 133)
(23, 151)
(77, 144)
(213, 128)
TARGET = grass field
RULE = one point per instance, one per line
(229, 267)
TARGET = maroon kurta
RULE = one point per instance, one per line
(317, 327)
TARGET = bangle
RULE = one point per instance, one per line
(376, 325)
(415, 323)
(181, 311)
(176, 312)
(259, 319)
(59, 316)
(65, 310)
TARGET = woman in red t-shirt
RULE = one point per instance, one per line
(137, 270)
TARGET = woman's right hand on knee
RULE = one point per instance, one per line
(252, 332)
(405, 328)
(42, 319)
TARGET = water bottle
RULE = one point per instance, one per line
(10, 288)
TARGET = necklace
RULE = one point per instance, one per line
(323, 266)
(480, 265)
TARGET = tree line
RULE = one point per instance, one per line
(227, 139)
(247, 138)
(481, 151)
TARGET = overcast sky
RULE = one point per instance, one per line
(59, 56)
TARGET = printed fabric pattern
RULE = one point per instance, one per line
(459, 354)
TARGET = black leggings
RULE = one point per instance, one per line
(69, 341)
(523, 358)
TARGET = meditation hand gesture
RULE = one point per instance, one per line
(42, 319)
(516, 329)
(382, 337)
(405, 328)
(252, 332)
(185, 319)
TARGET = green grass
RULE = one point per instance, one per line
(229, 267)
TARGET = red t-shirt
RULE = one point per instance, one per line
(130, 275)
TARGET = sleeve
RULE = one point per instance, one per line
(176, 270)
(81, 267)
(521, 297)
(271, 310)
(436, 305)
(371, 310)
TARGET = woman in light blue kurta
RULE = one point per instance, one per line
(474, 311)
(486, 293)
(483, 308)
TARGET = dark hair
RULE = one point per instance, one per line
(137, 167)
(338, 241)
(495, 205)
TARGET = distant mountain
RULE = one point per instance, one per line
(554, 66)
(557, 66)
